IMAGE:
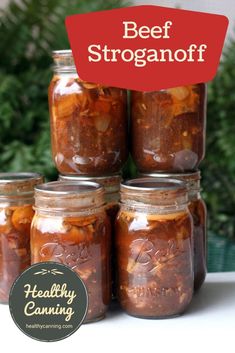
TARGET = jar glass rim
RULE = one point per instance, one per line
(58, 188)
(195, 175)
(64, 52)
(20, 177)
(151, 184)
(89, 178)
(63, 61)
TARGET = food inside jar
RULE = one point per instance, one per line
(168, 128)
(198, 211)
(83, 243)
(88, 126)
(112, 209)
(15, 222)
(154, 256)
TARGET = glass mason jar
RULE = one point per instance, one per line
(154, 248)
(88, 122)
(197, 208)
(71, 226)
(168, 128)
(16, 213)
(111, 186)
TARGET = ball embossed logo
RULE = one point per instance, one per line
(72, 255)
(48, 302)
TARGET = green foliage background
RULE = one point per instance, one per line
(29, 30)
(218, 169)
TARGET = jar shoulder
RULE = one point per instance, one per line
(159, 225)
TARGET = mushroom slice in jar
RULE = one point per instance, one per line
(77, 232)
(102, 122)
(22, 217)
(67, 104)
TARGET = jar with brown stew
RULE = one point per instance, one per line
(111, 186)
(88, 122)
(168, 128)
(71, 226)
(16, 213)
(154, 248)
(197, 208)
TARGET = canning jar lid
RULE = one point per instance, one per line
(158, 192)
(65, 52)
(56, 188)
(111, 183)
(19, 184)
(63, 60)
(192, 179)
(69, 195)
(151, 184)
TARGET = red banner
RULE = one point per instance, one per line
(146, 48)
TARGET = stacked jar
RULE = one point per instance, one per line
(89, 146)
(88, 129)
(16, 214)
(168, 129)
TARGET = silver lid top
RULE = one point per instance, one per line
(73, 177)
(63, 61)
(111, 183)
(57, 188)
(152, 184)
(17, 184)
(186, 176)
(19, 177)
(65, 52)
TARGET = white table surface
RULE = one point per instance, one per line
(208, 326)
